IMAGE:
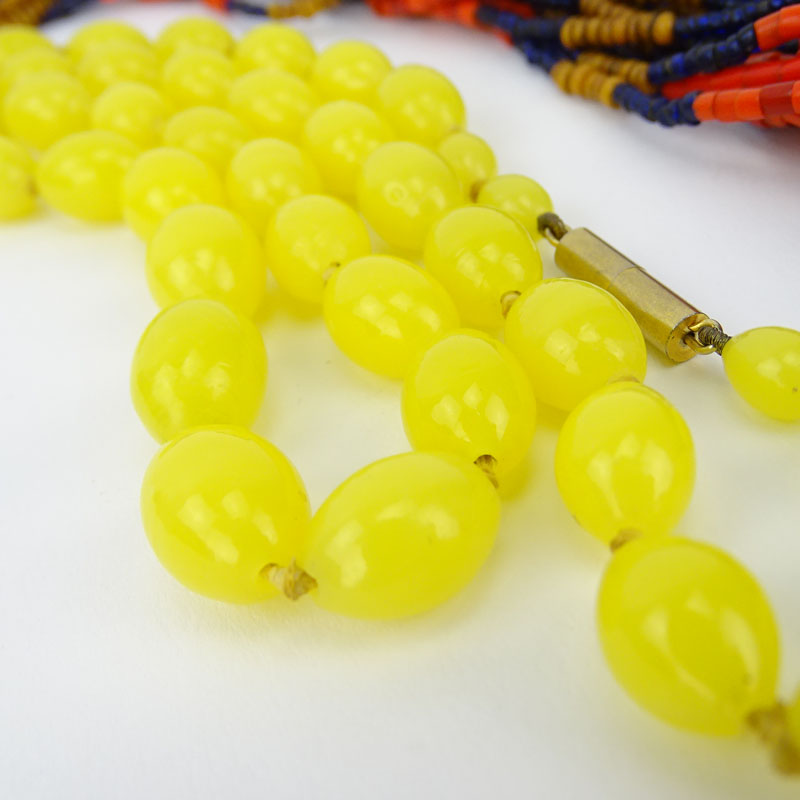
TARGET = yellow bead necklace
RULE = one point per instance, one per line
(228, 158)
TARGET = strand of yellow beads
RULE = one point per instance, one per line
(230, 157)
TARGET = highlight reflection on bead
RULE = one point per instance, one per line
(206, 251)
(401, 536)
(403, 189)
(625, 462)
(161, 181)
(310, 237)
(81, 175)
(272, 103)
(220, 505)
(198, 363)
(349, 70)
(763, 365)
(467, 394)
(481, 255)
(43, 108)
(688, 634)
(339, 136)
(382, 311)
(573, 338)
(518, 196)
(421, 104)
(266, 173)
(134, 110)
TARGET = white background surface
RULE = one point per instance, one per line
(115, 682)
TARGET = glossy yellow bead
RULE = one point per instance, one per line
(134, 110)
(468, 395)
(470, 158)
(102, 33)
(197, 77)
(198, 363)
(30, 62)
(309, 237)
(212, 134)
(43, 108)
(688, 634)
(161, 180)
(272, 103)
(382, 311)
(401, 536)
(206, 251)
(219, 505)
(421, 104)
(266, 173)
(17, 38)
(349, 70)
(519, 197)
(189, 32)
(480, 255)
(106, 64)
(763, 365)
(82, 174)
(17, 186)
(339, 136)
(573, 338)
(277, 47)
(403, 188)
(625, 462)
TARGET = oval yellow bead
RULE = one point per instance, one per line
(198, 363)
(625, 461)
(206, 251)
(278, 47)
(401, 536)
(266, 173)
(162, 180)
(480, 255)
(17, 38)
(40, 109)
(349, 70)
(763, 365)
(101, 33)
(310, 237)
(219, 505)
(573, 338)
(30, 62)
(519, 197)
(82, 174)
(272, 103)
(467, 394)
(197, 76)
(190, 32)
(382, 311)
(403, 189)
(134, 110)
(421, 104)
(17, 185)
(213, 135)
(106, 64)
(688, 634)
(470, 158)
(339, 136)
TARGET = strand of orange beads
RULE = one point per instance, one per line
(200, 170)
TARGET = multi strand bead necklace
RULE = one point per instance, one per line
(675, 62)
(222, 169)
